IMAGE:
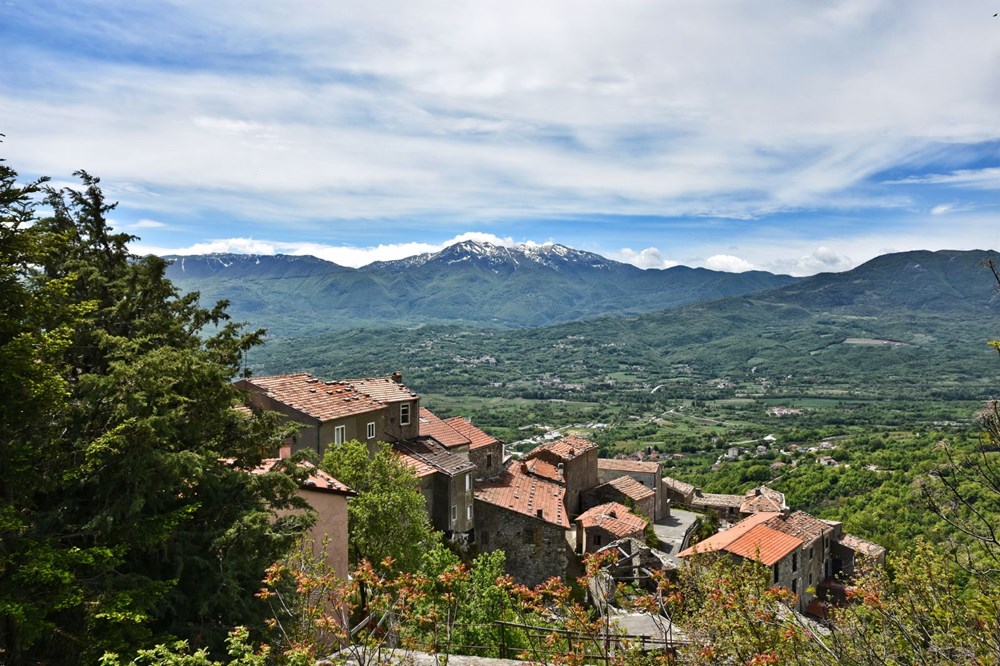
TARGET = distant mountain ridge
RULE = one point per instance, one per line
(469, 282)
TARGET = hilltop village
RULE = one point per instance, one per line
(554, 504)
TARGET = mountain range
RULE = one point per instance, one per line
(469, 282)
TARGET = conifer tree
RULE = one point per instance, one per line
(126, 515)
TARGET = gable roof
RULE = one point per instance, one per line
(442, 431)
(383, 389)
(720, 540)
(475, 435)
(762, 498)
(628, 466)
(716, 500)
(566, 449)
(539, 467)
(613, 517)
(530, 495)
(763, 544)
(629, 487)
(801, 525)
(425, 456)
(678, 486)
(324, 401)
(317, 480)
(859, 545)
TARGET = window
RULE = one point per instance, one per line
(774, 569)
(404, 414)
(371, 430)
(489, 460)
(339, 434)
(468, 482)
(468, 512)
(795, 585)
(597, 539)
(454, 512)
(795, 561)
(527, 536)
(811, 552)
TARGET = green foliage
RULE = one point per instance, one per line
(125, 518)
(388, 518)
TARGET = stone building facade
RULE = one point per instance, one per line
(623, 490)
(648, 473)
(523, 514)
(577, 458)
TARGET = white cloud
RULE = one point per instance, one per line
(942, 209)
(647, 258)
(979, 179)
(728, 263)
(147, 224)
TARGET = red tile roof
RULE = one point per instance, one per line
(630, 488)
(567, 448)
(613, 517)
(762, 498)
(475, 435)
(763, 544)
(425, 456)
(527, 494)
(539, 467)
(317, 480)
(628, 466)
(442, 431)
(801, 525)
(720, 540)
(324, 401)
(383, 389)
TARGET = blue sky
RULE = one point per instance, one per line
(789, 136)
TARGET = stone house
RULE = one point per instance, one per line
(578, 460)
(647, 473)
(677, 492)
(624, 490)
(806, 555)
(330, 412)
(761, 499)
(402, 406)
(522, 512)
(446, 484)
(459, 436)
(606, 523)
(486, 452)
(726, 507)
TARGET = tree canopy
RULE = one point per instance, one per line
(126, 518)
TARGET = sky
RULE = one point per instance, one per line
(789, 136)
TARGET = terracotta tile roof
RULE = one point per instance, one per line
(762, 498)
(715, 500)
(859, 545)
(679, 486)
(443, 432)
(383, 389)
(425, 456)
(324, 401)
(567, 448)
(628, 466)
(245, 410)
(539, 467)
(527, 494)
(317, 480)
(475, 435)
(720, 540)
(801, 525)
(763, 544)
(613, 517)
(630, 488)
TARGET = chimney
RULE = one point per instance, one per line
(697, 492)
(397, 377)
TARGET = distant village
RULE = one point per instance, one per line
(555, 503)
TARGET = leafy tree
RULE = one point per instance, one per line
(388, 518)
(125, 516)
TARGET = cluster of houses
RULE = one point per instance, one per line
(559, 501)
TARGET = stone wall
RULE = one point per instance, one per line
(488, 460)
(535, 549)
